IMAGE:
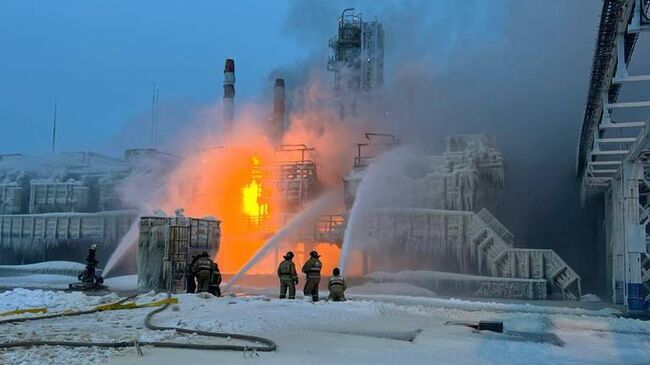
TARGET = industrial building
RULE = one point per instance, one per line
(432, 213)
(613, 151)
(53, 207)
(443, 223)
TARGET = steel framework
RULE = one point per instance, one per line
(358, 60)
(614, 153)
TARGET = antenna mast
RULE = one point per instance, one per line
(153, 114)
(54, 127)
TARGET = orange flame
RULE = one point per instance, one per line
(252, 195)
(235, 183)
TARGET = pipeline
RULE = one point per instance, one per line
(268, 345)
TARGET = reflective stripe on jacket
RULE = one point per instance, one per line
(312, 267)
(337, 281)
(287, 270)
(204, 263)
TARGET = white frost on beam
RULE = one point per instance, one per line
(617, 140)
(629, 104)
(622, 125)
(638, 78)
(611, 152)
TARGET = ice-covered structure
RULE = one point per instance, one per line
(468, 176)
(166, 246)
(434, 213)
(52, 208)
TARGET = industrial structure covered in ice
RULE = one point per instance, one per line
(405, 211)
(433, 213)
(53, 208)
(166, 246)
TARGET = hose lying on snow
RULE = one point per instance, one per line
(268, 345)
(62, 314)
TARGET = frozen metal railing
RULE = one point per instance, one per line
(496, 226)
(540, 263)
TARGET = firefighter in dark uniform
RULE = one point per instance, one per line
(337, 286)
(191, 279)
(215, 281)
(288, 276)
(203, 271)
(312, 268)
(89, 275)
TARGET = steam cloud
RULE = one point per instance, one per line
(517, 70)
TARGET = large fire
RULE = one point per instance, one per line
(237, 183)
(253, 203)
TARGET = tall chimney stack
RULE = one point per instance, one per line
(277, 120)
(228, 95)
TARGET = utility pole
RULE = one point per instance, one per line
(54, 127)
(154, 115)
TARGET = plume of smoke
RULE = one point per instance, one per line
(495, 67)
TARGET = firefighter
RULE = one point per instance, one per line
(288, 276)
(89, 275)
(215, 280)
(203, 271)
(312, 268)
(191, 278)
(337, 286)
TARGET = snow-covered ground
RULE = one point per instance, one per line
(367, 329)
(47, 281)
(49, 267)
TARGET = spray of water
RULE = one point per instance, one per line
(352, 226)
(127, 244)
(377, 188)
(318, 206)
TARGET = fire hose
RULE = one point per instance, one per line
(267, 344)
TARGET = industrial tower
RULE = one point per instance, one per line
(358, 60)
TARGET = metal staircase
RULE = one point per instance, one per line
(493, 251)
(539, 264)
(496, 226)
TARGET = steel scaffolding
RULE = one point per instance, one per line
(614, 152)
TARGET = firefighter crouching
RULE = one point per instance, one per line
(203, 272)
(288, 276)
(337, 286)
(312, 268)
